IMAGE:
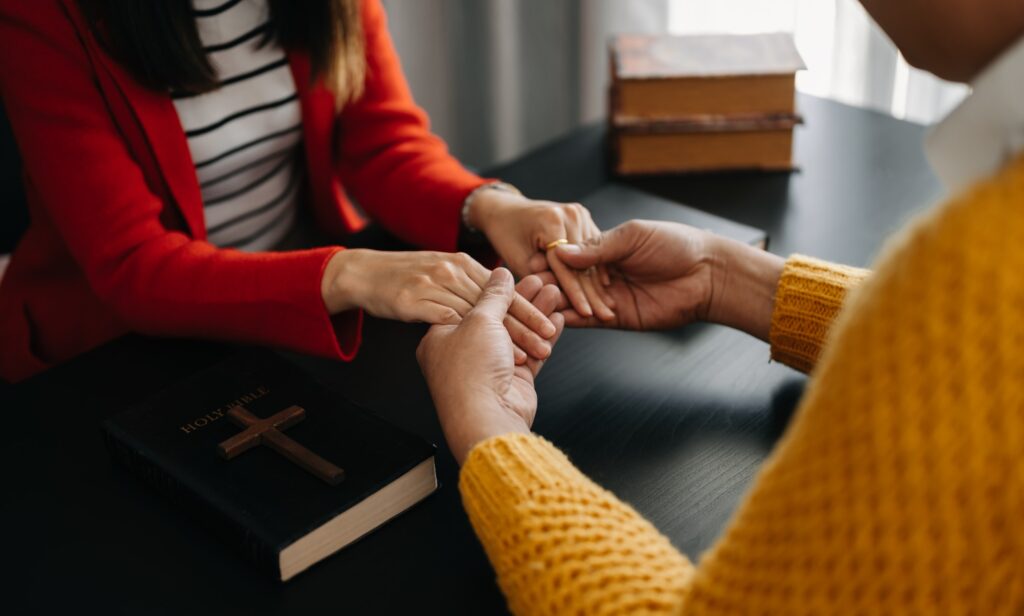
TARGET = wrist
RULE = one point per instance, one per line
(340, 286)
(487, 203)
(744, 280)
(487, 423)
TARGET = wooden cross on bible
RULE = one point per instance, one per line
(269, 432)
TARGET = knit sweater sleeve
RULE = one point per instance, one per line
(897, 487)
(561, 544)
(809, 296)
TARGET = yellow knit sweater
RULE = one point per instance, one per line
(897, 488)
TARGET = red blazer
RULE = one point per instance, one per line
(117, 240)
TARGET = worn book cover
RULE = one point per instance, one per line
(641, 56)
(281, 514)
(662, 76)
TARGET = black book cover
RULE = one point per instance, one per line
(614, 204)
(260, 500)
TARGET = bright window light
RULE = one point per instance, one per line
(847, 57)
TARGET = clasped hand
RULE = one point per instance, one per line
(477, 387)
(428, 287)
(661, 275)
(522, 230)
(440, 288)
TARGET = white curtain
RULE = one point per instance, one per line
(500, 77)
(848, 57)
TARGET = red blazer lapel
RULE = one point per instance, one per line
(155, 112)
(335, 213)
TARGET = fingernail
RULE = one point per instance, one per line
(571, 249)
(548, 329)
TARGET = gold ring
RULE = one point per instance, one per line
(555, 243)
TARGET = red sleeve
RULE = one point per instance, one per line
(396, 169)
(157, 280)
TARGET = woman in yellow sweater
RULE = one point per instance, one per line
(899, 484)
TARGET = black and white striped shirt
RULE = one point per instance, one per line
(245, 136)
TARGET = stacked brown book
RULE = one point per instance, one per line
(701, 103)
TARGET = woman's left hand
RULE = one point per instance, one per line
(522, 229)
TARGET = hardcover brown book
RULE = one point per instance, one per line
(721, 74)
(688, 152)
(645, 146)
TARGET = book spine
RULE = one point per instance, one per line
(190, 499)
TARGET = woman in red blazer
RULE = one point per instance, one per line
(118, 235)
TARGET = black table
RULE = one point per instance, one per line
(676, 423)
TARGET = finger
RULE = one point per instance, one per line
(524, 337)
(536, 364)
(527, 339)
(531, 317)
(445, 297)
(548, 278)
(563, 301)
(592, 234)
(548, 299)
(565, 226)
(465, 285)
(610, 247)
(590, 287)
(580, 224)
(537, 263)
(496, 298)
(529, 287)
(569, 280)
(559, 321)
(428, 311)
(602, 288)
(519, 356)
(576, 320)
(522, 309)
(596, 278)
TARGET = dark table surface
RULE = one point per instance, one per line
(676, 423)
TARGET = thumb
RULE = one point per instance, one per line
(496, 297)
(609, 247)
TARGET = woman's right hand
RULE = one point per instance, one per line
(428, 287)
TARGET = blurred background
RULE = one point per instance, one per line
(499, 77)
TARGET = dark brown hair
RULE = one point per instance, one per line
(158, 42)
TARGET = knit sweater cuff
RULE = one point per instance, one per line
(809, 296)
(509, 469)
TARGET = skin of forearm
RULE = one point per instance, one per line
(743, 289)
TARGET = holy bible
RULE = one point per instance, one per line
(273, 461)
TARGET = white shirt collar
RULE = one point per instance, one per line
(981, 135)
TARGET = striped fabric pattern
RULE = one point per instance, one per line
(245, 136)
